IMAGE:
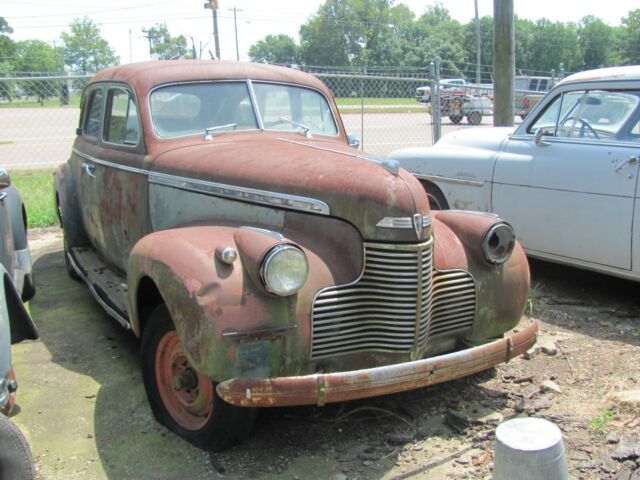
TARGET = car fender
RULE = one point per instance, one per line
(461, 165)
(228, 324)
(501, 290)
(68, 207)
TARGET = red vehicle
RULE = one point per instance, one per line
(218, 211)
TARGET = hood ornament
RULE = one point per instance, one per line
(418, 225)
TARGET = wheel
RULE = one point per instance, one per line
(182, 399)
(437, 201)
(16, 461)
(29, 288)
(455, 119)
(474, 118)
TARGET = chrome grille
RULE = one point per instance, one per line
(390, 307)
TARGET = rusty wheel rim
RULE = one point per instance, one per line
(186, 394)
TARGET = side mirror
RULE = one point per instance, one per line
(353, 139)
(5, 180)
(537, 139)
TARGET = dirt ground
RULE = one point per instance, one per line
(85, 414)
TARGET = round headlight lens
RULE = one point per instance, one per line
(498, 243)
(284, 270)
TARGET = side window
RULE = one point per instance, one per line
(547, 119)
(543, 85)
(91, 127)
(122, 124)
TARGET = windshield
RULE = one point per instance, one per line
(214, 107)
(280, 105)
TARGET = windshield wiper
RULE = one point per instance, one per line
(307, 130)
(210, 130)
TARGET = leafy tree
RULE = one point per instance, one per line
(275, 49)
(630, 38)
(486, 47)
(596, 40)
(37, 57)
(162, 44)
(85, 51)
(7, 46)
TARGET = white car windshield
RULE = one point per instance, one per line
(214, 107)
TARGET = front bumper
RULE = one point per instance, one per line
(319, 389)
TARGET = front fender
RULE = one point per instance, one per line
(229, 326)
(501, 290)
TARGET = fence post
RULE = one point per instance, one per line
(364, 71)
(436, 118)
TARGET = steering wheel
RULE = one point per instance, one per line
(584, 125)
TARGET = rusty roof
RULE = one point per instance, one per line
(150, 74)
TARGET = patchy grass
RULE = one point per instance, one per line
(54, 102)
(6, 142)
(36, 188)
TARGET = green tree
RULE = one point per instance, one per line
(596, 43)
(275, 49)
(35, 57)
(486, 47)
(7, 45)
(162, 44)
(629, 37)
(85, 51)
(552, 44)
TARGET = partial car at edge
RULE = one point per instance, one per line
(566, 178)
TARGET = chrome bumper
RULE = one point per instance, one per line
(319, 389)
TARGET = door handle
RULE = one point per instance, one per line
(3, 195)
(629, 161)
(88, 169)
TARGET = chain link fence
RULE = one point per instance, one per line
(386, 109)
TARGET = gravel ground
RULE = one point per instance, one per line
(85, 414)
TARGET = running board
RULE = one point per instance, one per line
(107, 286)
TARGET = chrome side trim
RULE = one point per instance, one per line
(271, 233)
(264, 197)
(105, 163)
(403, 222)
(441, 178)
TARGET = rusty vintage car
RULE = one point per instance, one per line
(218, 211)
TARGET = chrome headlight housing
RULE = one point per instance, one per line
(498, 243)
(284, 269)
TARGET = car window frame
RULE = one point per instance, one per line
(521, 132)
(90, 91)
(108, 103)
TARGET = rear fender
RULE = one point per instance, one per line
(68, 207)
(228, 324)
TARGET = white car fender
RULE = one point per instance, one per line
(460, 165)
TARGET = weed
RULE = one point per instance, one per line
(534, 293)
(600, 421)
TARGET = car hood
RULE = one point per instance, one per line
(466, 154)
(356, 188)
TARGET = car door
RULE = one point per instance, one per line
(85, 170)
(570, 193)
(123, 181)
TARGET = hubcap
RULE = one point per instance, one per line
(186, 394)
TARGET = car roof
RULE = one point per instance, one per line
(630, 72)
(146, 75)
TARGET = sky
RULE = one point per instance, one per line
(121, 21)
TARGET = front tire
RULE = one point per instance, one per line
(182, 399)
(16, 461)
(474, 118)
(437, 200)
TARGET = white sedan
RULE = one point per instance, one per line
(566, 178)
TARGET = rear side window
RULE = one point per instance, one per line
(122, 126)
(91, 127)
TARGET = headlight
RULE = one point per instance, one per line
(284, 270)
(498, 243)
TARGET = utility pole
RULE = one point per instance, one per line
(130, 48)
(148, 37)
(478, 45)
(213, 5)
(235, 26)
(504, 63)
